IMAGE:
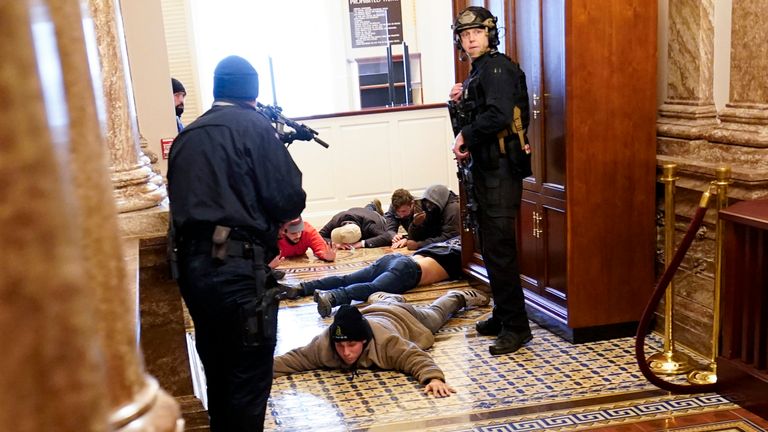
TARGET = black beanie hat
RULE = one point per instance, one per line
(349, 325)
(177, 86)
(235, 78)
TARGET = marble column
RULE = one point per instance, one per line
(136, 185)
(134, 399)
(51, 377)
(71, 360)
(689, 111)
(744, 120)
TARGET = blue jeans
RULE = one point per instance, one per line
(393, 273)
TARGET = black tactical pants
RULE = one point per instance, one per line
(498, 193)
(238, 369)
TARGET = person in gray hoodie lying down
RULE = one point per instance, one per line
(439, 219)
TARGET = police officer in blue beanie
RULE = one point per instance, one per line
(232, 186)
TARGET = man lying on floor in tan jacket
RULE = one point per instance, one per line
(389, 334)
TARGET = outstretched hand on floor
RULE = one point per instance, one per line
(438, 388)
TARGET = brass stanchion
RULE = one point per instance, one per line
(668, 361)
(709, 376)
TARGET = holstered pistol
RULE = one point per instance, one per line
(220, 238)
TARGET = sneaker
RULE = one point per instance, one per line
(324, 301)
(489, 327)
(381, 296)
(377, 204)
(472, 298)
(509, 342)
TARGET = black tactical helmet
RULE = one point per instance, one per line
(475, 17)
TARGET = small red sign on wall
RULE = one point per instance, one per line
(165, 145)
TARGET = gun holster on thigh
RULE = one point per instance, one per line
(257, 317)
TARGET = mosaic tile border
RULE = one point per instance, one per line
(589, 417)
(730, 426)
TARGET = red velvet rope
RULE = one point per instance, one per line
(643, 328)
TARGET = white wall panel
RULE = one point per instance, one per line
(423, 146)
(365, 166)
(370, 156)
(317, 166)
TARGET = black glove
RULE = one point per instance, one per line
(303, 134)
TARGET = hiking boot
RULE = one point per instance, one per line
(489, 327)
(509, 342)
(377, 204)
(291, 292)
(384, 297)
(472, 298)
(324, 300)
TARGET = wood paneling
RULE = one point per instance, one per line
(743, 359)
(610, 156)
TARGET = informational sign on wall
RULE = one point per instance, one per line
(165, 146)
(375, 23)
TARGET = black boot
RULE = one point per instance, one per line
(325, 303)
(509, 341)
(489, 327)
(290, 291)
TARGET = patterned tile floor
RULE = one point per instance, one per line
(548, 385)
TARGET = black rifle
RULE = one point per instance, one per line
(300, 131)
(460, 118)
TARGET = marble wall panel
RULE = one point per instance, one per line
(689, 110)
(691, 51)
(749, 53)
(744, 120)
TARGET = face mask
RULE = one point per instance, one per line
(432, 211)
(179, 110)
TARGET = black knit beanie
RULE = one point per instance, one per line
(349, 325)
(235, 78)
(177, 86)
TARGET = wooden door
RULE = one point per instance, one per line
(553, 98)
(528, 49)
(552, 231)
(529, 245)
(539, 34)
(541, 248)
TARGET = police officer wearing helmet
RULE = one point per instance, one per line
(500, 161)
(232, 186)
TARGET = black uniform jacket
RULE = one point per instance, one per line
(495, 85)
(229, 168)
